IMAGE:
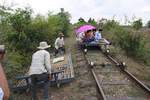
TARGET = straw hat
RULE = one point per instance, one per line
(61, 34)
(43, 45)
(2, 47)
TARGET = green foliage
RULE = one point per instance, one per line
(4, 25)
(21, 34)
(137, 24)
(110, 25)
(15, 63)
(131, 42)
(4, 14)
(80, 22)
(111, 28)
(92, 22)
(64, 21)
(19, 20)
(148, 24)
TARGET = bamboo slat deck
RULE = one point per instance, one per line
(65, 66)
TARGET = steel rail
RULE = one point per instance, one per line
(138, 81)
(99, 86)
(103, 97)
(122, 68)
(130, 75)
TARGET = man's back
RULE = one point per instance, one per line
(39, 61)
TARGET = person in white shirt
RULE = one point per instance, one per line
(59, 44)
(98, 37)
(1, 94)
(80, 36)
(40, 69)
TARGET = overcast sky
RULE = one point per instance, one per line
(89, 8)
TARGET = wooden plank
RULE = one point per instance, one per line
(71, 65)
(65, 65)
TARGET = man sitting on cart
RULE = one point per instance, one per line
(98, 37)
(89, 37)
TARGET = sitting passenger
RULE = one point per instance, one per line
(80, 36)
(98, 37)
(89, 36)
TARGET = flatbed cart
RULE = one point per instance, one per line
(63, 63)
(94, 45)
(62, 73)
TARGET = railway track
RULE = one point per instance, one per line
(113, 81)
(87, 85)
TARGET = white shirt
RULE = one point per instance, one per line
(40, 62)
(1, 94)
(98, 36)
(81, 35)
(59, 42)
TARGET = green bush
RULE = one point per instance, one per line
(92, 22)
(148, 24)
(80, 22)
(110, 25)
(133, 43)
(111, 29)
(22, 33)
(16, 63)
(137, 24)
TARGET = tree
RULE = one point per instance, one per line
(23, 33)
(111, 24)
(137, 24)
(64, 21)
(5, 26)
(148, 24)
(20, 20)
(92, 21)
(81, 20)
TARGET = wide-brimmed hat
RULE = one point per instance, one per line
(61, 34)
(43, 45)
(2, 48)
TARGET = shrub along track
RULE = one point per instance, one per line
(114, 83)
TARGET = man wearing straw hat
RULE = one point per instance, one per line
(40, 70)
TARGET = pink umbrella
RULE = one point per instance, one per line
(84, 28)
